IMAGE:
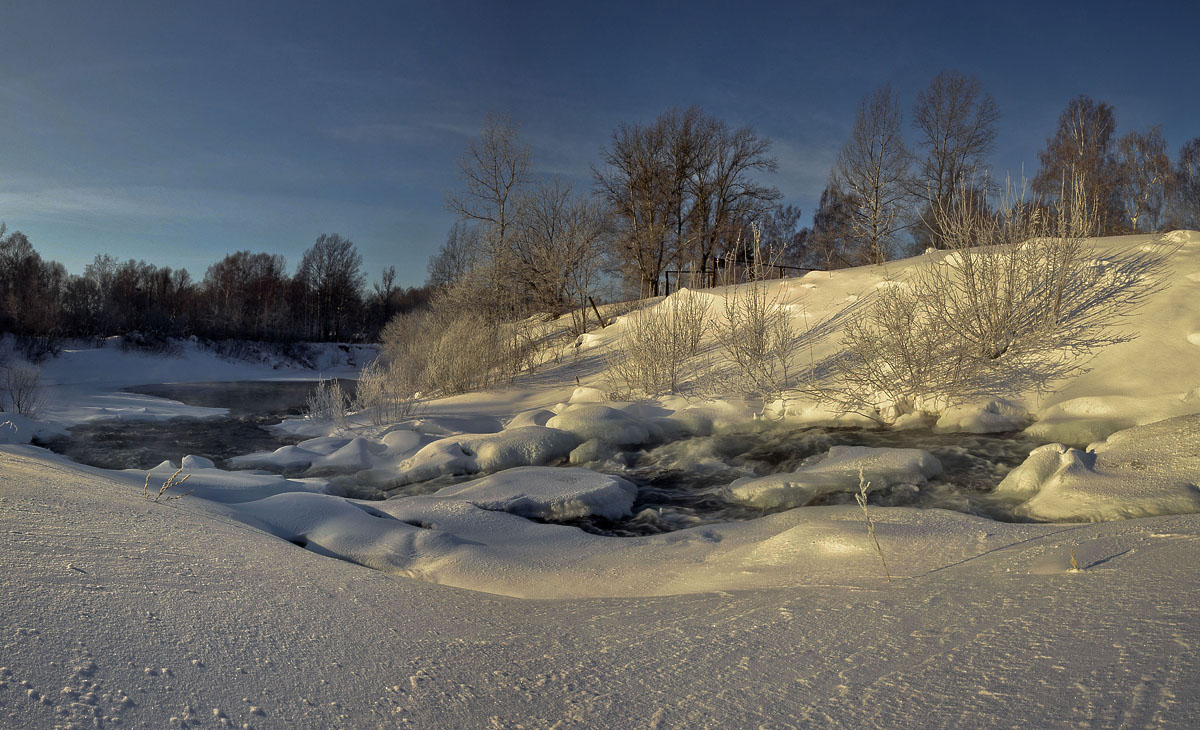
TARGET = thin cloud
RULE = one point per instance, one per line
(82, 203)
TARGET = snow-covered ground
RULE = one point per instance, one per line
(228, 607)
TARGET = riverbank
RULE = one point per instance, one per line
(123, 609)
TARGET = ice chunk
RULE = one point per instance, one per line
(549, 493)
(838, 471)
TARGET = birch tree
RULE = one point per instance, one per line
(872, 169)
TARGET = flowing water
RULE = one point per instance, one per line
(680, 484)
(131, 444)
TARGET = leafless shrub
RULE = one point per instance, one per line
(386, 392)
(456, 348)
(23, 393)
(757, 333)
(1017, 304)
(655, 344)
(328, 402)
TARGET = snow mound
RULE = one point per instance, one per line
(285, 458)
(228, 487)
(994, 416)
(1182, 237)
(838, 471)
(474, 453)
(401, 441)
(548, 493)
(604, 423)
(535, 417)
(348, 530)
(1081, 421)
(18, 429)
(192, 463)
(1139, 472)
(353, 456)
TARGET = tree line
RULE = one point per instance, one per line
(243, 296)
(686, 193)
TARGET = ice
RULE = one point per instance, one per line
(548, 493)
(474, 453)
(838, 471)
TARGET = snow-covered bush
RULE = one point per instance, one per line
(22, 391)
(1016, 304)
(328, 402)
(655, 344)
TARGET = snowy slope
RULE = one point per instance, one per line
(266, 602)
(123, 613)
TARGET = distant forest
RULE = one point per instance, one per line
(245, 295)
(683, 196)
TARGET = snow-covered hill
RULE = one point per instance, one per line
(263, 601)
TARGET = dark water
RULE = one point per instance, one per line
(131, 444)
(673, 493)
(680, 484)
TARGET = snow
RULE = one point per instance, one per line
(841, 469)
(455, 609)
(604, 423)
(1139, 472)
(548, 493)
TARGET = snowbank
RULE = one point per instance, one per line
(1139, 472)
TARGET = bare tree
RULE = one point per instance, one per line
(558, 246)
(636, 182)
(873, 169)
(831, 241)
(725, 195)
(956, 127)
(1185, 187)
(495, 171)
(1145, 176)
(456, 257)
(1078, 161)
(331, 274)
(684, 188)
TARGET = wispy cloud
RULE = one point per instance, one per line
(81, 203)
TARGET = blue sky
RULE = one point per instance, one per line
(179, 132)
